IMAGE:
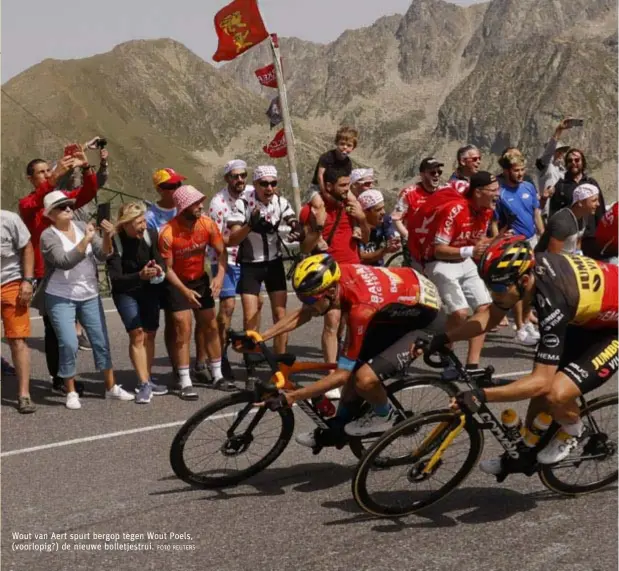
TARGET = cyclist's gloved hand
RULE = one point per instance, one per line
(438, 344)
(471, 400)
(276, 402)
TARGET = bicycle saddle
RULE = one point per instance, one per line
(287, 359)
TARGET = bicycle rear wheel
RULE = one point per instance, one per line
(228, 441)
(411, 396)
(395, 478)
(593, 465)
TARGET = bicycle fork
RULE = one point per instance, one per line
(440, 436)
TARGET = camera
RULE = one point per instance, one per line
(101, 143)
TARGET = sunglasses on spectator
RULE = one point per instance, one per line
(436, 172)
(267, 183)
(242, 175)
(63, 207)
(170, 185)
(474, 159)
(573, 160)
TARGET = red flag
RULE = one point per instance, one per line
(266, 76)
(277, 148)
(239, 26)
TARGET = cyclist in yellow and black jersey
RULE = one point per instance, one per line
(576, 302)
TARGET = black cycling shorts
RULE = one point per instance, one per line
(253, 275)
(386, 346)
(176, 301)
(589, 357)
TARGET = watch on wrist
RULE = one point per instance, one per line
(28, 280)
(319, 228)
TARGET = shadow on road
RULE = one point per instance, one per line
(480, 505)
(301, 478)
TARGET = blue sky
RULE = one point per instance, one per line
(33, 30)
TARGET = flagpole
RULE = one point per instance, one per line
(283, 100)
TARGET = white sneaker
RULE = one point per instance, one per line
(118, 393)
(370, 423)
(334, 394)
(73, 401)
(491, 466)
(533, 331)
(307, 439)
(559, 448)
(524, 337)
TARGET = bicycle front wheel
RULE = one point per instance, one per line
(229, 441)
(593, 465)
(406, 470)
(409, 397)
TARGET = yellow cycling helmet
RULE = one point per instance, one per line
(315, 275)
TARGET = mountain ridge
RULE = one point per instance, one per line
(417, 84)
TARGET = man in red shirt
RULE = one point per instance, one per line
(43, 180)
(383, 309)
(413, 197)
(607, 234)
(337, 231)
(445, 235)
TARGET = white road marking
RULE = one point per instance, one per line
(154, 427)
(114, 310)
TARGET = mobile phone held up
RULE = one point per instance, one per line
(70, 150)
(574, 123)
(104, 212)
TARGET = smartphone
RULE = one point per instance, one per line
(104, 212)
(70, 150)
(574, 123)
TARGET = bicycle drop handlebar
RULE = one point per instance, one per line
(250, 340)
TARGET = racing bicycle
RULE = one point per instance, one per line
(424, 458)
(236, 437)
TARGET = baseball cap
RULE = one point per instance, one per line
(167, 176)
(430, 163)
(481, 179)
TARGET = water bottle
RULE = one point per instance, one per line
(512, 423)
(540, 425)
(325, 407)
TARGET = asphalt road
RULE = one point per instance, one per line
(111, 475)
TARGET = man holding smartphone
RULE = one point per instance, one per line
(563, 197)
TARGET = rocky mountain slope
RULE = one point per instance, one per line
(495, 74)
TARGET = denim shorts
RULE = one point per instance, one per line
(139, 310)
(231, 280)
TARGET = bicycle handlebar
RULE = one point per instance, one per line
(251, 340)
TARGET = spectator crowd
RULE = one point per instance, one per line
(183, 253)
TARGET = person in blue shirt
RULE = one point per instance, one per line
(518, 210)
(159, 213)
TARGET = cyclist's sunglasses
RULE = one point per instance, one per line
(498, 288)
(311, 299)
